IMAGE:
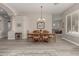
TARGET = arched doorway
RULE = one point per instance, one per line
(5, 21)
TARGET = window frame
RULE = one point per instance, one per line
(72, 32)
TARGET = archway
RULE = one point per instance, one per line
(5, 20)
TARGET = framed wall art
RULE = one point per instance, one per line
(40, 25)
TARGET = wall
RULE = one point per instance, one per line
(68, 37)
(3, 27)
(33, 21)
(20, 24)
(28, 22)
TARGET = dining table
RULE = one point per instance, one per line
(50, 35)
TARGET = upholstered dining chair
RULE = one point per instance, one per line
(36, 37)
(36, 31)
(45, 36)
(45, 31)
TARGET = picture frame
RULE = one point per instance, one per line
(18, 25)
(40, 25)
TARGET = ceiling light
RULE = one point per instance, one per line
(41, 19)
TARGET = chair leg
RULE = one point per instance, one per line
(36, 40)
(45, 40)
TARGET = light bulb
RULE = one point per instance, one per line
(44, 19)
(39, 19)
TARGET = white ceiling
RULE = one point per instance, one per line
(35, 7)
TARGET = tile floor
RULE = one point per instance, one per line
(25, 48)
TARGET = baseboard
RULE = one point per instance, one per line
(71, 42)
(3, 37)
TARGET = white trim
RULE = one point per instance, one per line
(10, 8)
(71, 42)
(66, 24)
(71, 23)
(78, 22)
(76, 11)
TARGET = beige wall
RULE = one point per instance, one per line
(29, 23)
(33, 21)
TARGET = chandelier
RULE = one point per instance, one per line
(41, 19)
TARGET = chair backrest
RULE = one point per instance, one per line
(36, 31)
(36, 35)
(45, 31)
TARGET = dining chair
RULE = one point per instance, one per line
(36, 37)
(45, 31)
(45, 36)
(36, 31)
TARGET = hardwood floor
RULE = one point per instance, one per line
(25, 48)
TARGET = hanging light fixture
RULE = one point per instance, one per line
(41, 19)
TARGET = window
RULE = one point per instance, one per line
(68, 23)
(72, 23)
(75, 22)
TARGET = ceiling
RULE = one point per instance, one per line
(50, 8)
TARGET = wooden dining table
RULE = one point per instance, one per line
(50, 35)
